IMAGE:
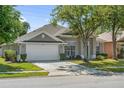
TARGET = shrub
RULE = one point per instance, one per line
(10, 55)
(71, 58)
(105, 55)
(62, 56)
(23, 57)
(78, 57)
(121, 55)
(100, 57)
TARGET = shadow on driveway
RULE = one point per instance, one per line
(57, 68)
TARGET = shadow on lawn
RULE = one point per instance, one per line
(5, 68)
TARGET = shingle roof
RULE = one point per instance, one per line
(49, 29)
(107, 36)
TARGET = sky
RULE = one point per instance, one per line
(36, 15)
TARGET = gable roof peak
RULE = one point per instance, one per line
(48, 28)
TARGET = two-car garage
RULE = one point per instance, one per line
(42, 51)
(41, 44)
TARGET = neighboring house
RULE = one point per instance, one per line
(48, 42)
(104, 43)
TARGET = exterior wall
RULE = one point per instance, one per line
(93, 55)
(79, 45)
(19, 48)
(100, 46)
(71, 42)
(108, 49)
(61, 48)
(22, 48)
(81, 49)
(41, 38)
(12, 47)
(77, 42)
(91, 48)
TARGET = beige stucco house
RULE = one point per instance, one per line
(48, 42)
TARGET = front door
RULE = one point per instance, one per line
(70, 51)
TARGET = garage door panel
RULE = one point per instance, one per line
(42, 52)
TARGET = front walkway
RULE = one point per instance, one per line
(62, 68)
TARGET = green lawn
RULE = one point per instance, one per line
(24, 74)
(23, 66)
(106, 65)
(8, 66)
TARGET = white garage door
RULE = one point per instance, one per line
(42, 52)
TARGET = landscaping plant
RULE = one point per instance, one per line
(105, 55)
(23, 57)
(62, 56)
(100, 57)
(10, 55)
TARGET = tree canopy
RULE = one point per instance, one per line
(114, 21)
(11, 25)
(83, 20)
(26, 26)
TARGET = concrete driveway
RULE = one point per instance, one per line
(59, 68)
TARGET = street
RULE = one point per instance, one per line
(82, 81)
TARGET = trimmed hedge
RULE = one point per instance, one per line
(23, 57)
(100, 57)
(78, 57)
(105, 55)
(10, 55)
(62, 56)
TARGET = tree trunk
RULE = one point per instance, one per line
(114, 45)
(85, 50)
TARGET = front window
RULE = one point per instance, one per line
(97, 49)
(70, 51)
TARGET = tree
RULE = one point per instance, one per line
(114, 22)
(11, 25)
(26, 26)
(82, 20)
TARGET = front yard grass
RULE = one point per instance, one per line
(8, 66)
(23, 66)
(28, 74)
(105, 65)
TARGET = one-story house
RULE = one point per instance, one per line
(104, 43)
(48, 42)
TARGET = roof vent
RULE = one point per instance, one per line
(43, 36)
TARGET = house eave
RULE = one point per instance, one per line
(43, 43)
